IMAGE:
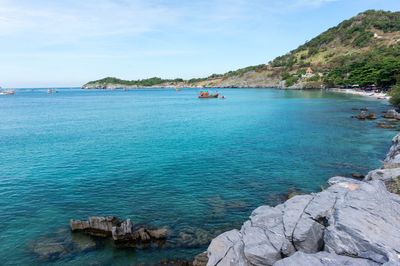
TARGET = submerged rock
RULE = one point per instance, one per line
(49, 250)
(83, 243)
(384, 125)
(60, 244)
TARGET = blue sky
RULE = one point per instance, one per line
(68, 42)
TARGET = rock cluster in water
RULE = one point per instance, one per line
(123, 233)
(352, 222)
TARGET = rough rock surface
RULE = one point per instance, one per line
(366, 115)
(392, 114)
(121, 232)
(390, 177)
(392, 159)
(322, 259)
(201, 259)
(99, 226)
(352, 222)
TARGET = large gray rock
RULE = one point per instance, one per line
(323, 259)
(227, 249)
(392, 159)
(345, 219)
(390, 177)
(365, 223)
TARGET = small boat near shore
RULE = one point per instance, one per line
(207, 95)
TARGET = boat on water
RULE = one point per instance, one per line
(7, 92)
(49, 91)
(207, 95)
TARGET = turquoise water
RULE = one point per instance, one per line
(166, 158)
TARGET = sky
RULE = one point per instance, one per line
(65, 43)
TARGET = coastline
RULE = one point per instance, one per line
(332, 225)
(371, 94)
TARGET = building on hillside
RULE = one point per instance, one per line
(309, 73)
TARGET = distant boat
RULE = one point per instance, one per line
(7, 92)
(49, 91)
(207, 95)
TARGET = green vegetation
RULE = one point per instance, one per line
(395, 95)
(380, 66)
(143, 82)
(377, 62)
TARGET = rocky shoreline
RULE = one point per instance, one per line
(352, 222)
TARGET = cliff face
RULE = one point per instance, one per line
(350, 223)
(363, 50)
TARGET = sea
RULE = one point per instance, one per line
(166, 159)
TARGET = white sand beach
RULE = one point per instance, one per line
(372, 94)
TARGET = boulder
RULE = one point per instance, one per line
(362, 115)
(227, 249)
(123, 233)
(201, 259)
(390, 177)
(358, 227)
(158, 233)
(357, 176)
(391, 114)
(323, 259)
(366, 115)
(371, 116)
(392, 159)
(126, 235)
(96, 226)
(345, 219)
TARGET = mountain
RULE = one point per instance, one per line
(363, 50)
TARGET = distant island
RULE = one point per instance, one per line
(362, 51)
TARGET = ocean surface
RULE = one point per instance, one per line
(167, 158)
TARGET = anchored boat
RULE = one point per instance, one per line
(207, 95)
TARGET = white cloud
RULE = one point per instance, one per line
(79, 19)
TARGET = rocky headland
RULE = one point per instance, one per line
(352, 222)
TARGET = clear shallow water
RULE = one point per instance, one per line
(166, 158)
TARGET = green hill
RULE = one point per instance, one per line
(363, 50)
